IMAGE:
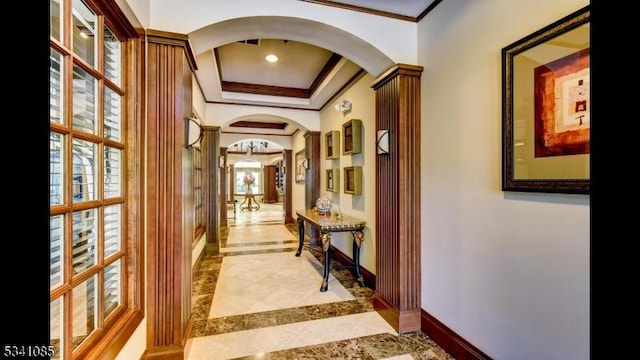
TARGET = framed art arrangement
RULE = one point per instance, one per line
(352, 137)
(332, 144)
(333, 180)
(353, 180)
(546, 108)
(301, 165)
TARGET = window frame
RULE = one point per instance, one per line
(114, 326)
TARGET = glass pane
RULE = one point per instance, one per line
(112, 52)
(112, 174)
(248, 181)
(84, 32)
(56, 330)
(84, 101)
(56, 232)
(55, 87)
(112, 120)
(84, 310)
(55, 22)
(84, 185)
(112, 229)
(85, 228)
(56, 190)
(112, 287)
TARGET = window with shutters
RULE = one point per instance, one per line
(87, 194)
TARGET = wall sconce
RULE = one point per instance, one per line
(192, 134)
(382, 142)
(305, 164)
(343, 106)
(221, 161)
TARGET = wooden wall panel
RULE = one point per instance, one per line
(270, 193)
(312, 179)
(168, 197)
(288, 184)
(397, 294)
(224, 194)
(213, 201)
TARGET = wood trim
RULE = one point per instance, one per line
(363, 10)
(135, 159)
(397, 295)
(367, 10)
(260, 124)
(428, 9)
(449, 340)
(114, 18)
(213, 201)
(111, 342)
(175, 39)
(326, 70)
(117, 335)
(264, 89)
(277, 90)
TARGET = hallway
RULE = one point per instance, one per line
(257, 300)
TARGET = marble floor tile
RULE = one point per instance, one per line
(261, 282)
(257, 300)
(259, 234)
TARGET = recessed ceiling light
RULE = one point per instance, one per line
(271, 58)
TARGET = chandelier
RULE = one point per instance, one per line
(252, 147)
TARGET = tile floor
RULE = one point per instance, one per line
(257, 300)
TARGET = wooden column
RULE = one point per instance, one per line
(232, 182)
(169, 197)
(213, 201)
(397, 294)
(224, 195)
(287, 160)
(312, 179)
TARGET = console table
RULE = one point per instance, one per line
(251, 203)
(327, 224)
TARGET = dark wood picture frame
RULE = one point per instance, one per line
(332, 144)
(333, 180)
(546, 108)
(352, 137)
(353, 180)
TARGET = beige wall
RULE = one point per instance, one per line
(362, 97)
(509, 272)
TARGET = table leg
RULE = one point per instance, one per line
(300, 236)
(242, 203)
(326, 244)
(358, 238)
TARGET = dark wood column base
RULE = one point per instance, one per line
(170, 352)
(404, 321)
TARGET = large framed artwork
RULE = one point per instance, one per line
(546, 108)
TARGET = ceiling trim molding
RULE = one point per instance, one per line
(365, 10)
